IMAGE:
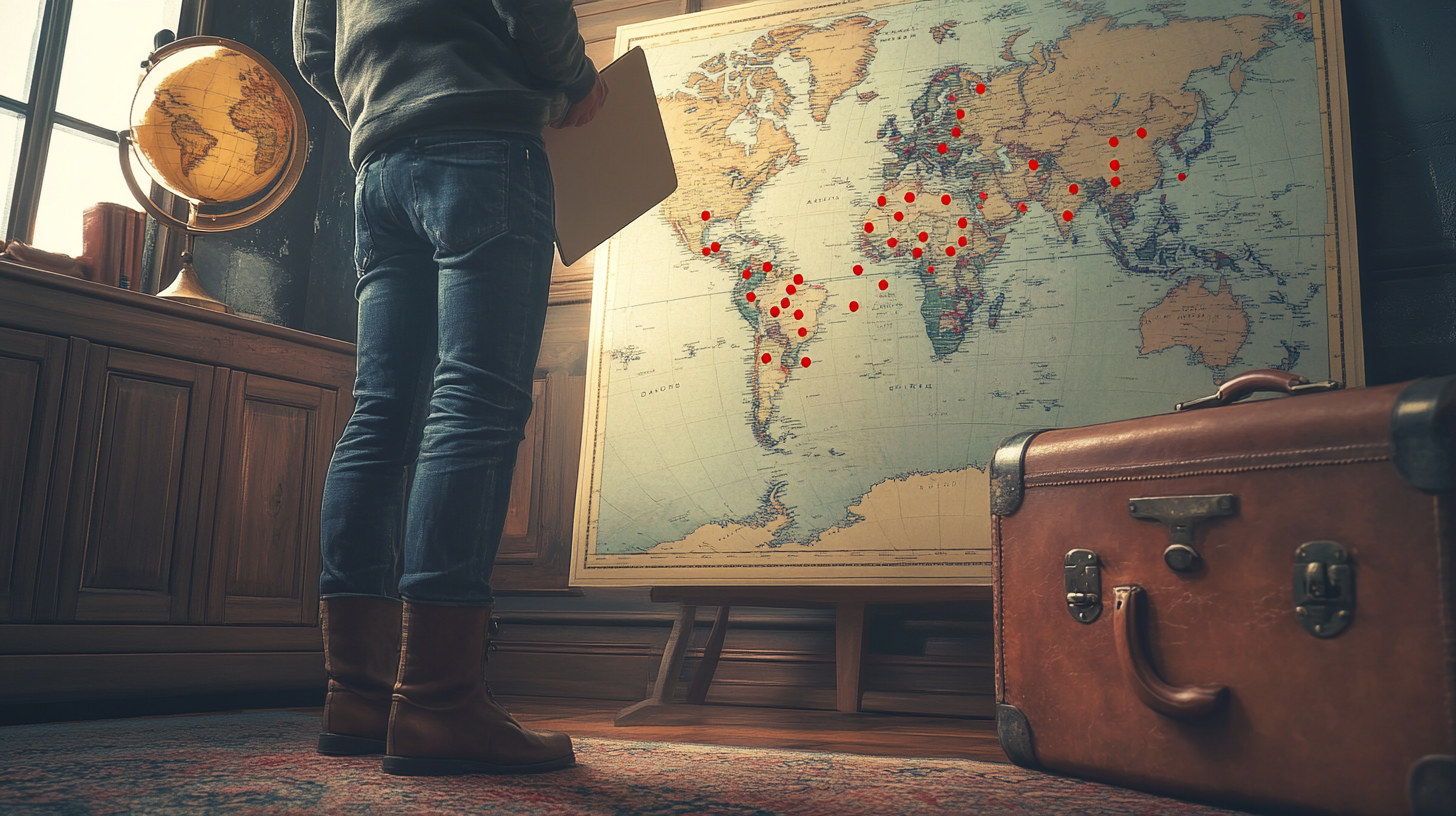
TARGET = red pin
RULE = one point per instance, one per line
(930, 270)
(892, 243)
(956, 131)
(1299, 15)
(1182, 176)
(960, 114)
(766, 357)
(1112, 142)
(880, 201)
(747, 273)
(803, 331)
(950, 98)
(915, 253)
(791, 290)
(1072, 188)
(961, 241)
(1066, 215)
(716, 246)
(899, 216)
(945, 199)
(767, 267)
(773, 310)
(858, 270)
(1115, 164)
(983, 198)
(1114, 181)
(799, 279)
(784, 303)
(909, 198)
(963, 222)
(798, 314)
(804, 362)
(924, 236)
(707, 215)
(941, 148)
(980, 87)
(1033, 164)
(751, 297)
(854, 305)
(869, 227)
(1142, 133)
(1021, 206)
(884, 284)
(707, 252)
(950, 250)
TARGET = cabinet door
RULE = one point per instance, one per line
(265, 555)
(131, 514)
(31, 373)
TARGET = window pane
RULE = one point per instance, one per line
(22, 31)
(10, 126)
(105, 46)
(81, 170)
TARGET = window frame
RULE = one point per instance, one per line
(40, 114)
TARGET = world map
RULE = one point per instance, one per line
(906, 231)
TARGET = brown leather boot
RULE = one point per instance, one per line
(361, 655)
(444, 720)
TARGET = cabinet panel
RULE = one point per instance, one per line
(131, 516)
(31, 376)
(265, 546)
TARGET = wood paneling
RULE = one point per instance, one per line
(131, 520)
(36, 678)
(517, 543)
(265, 536)
(31, 375)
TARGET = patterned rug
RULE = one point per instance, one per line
(264, 763)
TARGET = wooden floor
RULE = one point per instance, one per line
(872, 734)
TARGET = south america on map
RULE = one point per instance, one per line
(905, 231)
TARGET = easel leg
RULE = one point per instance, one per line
(703, 677)
(849, 626)
(667, 673)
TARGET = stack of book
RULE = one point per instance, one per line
(111, 241)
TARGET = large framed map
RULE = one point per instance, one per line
(907, 230)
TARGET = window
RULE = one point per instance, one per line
(66, 83)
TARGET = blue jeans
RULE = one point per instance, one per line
(453, 243)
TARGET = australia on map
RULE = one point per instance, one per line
(905, 231)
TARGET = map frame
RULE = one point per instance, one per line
(1342, 301)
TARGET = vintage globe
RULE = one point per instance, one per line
(212, 124)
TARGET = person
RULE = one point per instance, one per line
(445, 101)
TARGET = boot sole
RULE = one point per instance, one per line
(429, 766)
(345, 745)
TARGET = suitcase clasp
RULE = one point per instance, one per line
(1181, 514)
(1324, 588)
(1083, 580)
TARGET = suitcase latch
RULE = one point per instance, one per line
(1084, 585)
(1182, 515)
(1324, 588)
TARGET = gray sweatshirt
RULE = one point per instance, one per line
(395, 68)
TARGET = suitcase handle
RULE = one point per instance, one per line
(1180, 703)
(1261, 380)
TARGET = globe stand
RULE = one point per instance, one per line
(187, 288)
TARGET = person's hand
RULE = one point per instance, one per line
(586, 109)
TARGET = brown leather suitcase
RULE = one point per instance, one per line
(1249, 604)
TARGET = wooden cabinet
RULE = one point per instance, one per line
(265, 554)
(159, 465)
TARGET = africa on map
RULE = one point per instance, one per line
(905, 231)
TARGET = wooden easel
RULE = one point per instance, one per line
(849, 603)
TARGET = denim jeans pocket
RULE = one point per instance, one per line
(363, 236)
(462, 189)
